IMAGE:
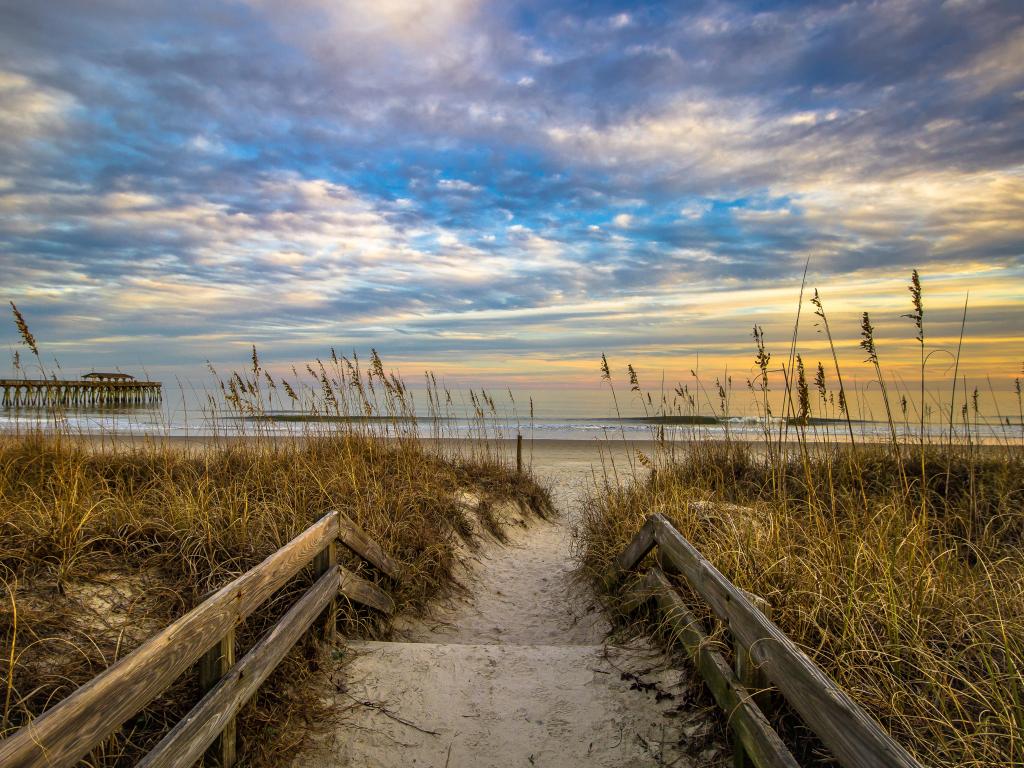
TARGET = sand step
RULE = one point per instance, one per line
(480, 705)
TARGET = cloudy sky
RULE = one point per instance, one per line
(501, 191)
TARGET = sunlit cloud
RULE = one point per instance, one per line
(28, 109)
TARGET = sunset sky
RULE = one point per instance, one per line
(502, 191)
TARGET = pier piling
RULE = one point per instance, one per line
(101, 393)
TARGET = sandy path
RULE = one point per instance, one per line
(518, 674)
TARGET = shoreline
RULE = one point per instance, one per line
(590, 446)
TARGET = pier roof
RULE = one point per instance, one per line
(112, 376)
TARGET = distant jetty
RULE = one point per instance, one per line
(96, 389)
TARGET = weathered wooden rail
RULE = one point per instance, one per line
(763, 656)
(72, 728)
(40, 393)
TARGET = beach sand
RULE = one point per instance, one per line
(518, 671)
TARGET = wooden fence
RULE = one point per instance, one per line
(763, 656)
(66, 732)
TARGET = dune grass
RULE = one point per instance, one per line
(103, 540)
(896, 565)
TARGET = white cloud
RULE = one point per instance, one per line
(540, 56)
(307, 244)
(457, 185)
(28, 109)
(620, 20)
(206, 145)
(387, 41)
(695, 209)
(731, 147)
(954, 212)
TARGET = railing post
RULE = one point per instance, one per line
(665, 563)
(213, 665)
(753, 679)
(322, 563)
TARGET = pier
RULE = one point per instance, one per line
(101, 390)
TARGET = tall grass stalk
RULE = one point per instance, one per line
(911, 596)
(105, 539)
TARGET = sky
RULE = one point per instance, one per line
(502, 191)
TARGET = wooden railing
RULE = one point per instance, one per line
(69, 730)
(763, 656)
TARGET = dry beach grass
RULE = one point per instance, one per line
(104, 541)
(896, 565)
(920, 621)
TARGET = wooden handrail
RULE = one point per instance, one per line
(70, 729)
(187, 741)
(353, 537)
(855, 738)
(756, 735)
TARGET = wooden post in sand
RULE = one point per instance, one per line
(753, 679)
(519, 454)
(322, 563)
(214, 665)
